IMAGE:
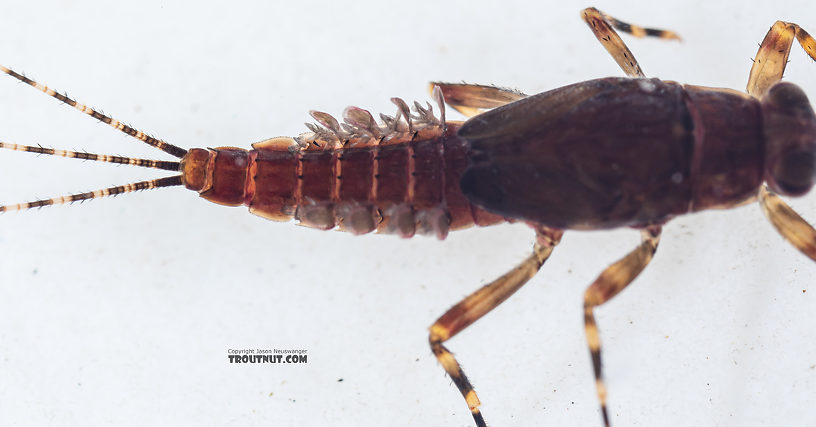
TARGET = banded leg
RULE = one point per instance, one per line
(613, 280)
(772, 56)
(470, 99)
(479, 303)
(788, 223)
(601, 25)
(769, 65)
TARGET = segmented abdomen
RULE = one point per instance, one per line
(399, 187)
(401, 176)
(404, 182)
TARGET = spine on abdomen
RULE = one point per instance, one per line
(402, 188)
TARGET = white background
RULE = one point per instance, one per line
(121, 311)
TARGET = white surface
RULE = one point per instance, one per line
(121, 311)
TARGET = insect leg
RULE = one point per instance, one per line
(788, 223)
(772, 55)
(480, 303)
(613, 280)
(601, 25)
(471, 99)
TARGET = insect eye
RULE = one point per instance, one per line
(794, 172)
(790, 138)
(789, 98)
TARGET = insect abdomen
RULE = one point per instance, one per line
(400, 187)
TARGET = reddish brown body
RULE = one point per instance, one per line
(599, 154)
(408, 184)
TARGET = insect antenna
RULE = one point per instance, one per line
(149, 140)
